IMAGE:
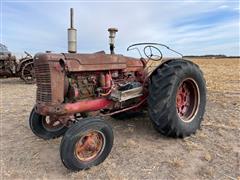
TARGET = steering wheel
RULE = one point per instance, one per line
(153, 53)
(149, 48)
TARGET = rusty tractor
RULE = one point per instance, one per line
(10, 67)
(75, 91)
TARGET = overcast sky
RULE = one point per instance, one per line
(191, 27)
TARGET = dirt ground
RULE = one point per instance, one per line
(139, 152)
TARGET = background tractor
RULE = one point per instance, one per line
(75, 91)
(11, 67)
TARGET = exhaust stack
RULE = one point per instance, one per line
(112, 35)
(72, 35)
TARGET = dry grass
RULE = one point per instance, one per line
(223, 75)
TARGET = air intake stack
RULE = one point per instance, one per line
(72, 35)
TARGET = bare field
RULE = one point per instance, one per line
(139, 152)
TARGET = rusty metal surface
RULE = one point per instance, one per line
(8, 64)
(51, 123)
(89, 146)
(47, 68)
(28, 58)
(43, 78)
(49, 78)
(11, 67)
(28, 73)
(71, 108)
(187, 100)
(69, 83)
(94, 62)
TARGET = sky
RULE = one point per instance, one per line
(193, 27)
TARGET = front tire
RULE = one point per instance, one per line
(42, 127)
(87, 143)
(177, 98)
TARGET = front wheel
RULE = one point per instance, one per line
(87, 143)
(177, 98)
(45, 127)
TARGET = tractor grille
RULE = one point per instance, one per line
(43, 78)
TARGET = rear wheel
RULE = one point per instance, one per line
(177, 98)
(87, 143)
(27, 73)
(45, 127)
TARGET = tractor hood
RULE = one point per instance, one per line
(91, 62)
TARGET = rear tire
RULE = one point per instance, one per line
(87, 143)
(27, 73)
(177, 98)
(40, 127)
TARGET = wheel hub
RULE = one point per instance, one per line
(51, 124)
(89, 146)
(187, 100)
(183, 99)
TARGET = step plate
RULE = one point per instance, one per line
(126, 95)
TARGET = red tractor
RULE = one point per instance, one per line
(76, 91)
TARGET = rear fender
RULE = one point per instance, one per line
(153, 66)
(163, 62)
(19, 66)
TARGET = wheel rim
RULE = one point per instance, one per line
(90, 146)
(51, 124)
(28, 73)
(187, 100)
